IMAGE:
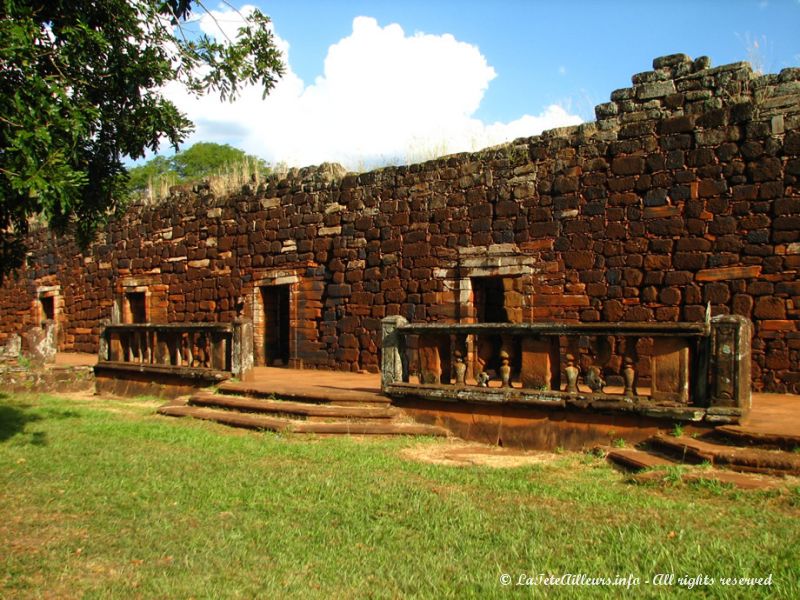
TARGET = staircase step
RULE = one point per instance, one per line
(284, 407)
(254, 421)
(763, 439)
(226, 417)
(312, 395)
(744, 481)
(636, 460)
(649, 468)
(363, 428)
(739, 459)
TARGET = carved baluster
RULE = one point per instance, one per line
(629, 371)
(140, 342)
(571, 371)
(629, 374)
(460, 369)
(188, 358)
(206, 341)
(175, 348)
(505, 369)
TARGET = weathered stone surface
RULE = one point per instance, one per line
(685, 192)
(727, 273)
(670, 370)
(540, 363)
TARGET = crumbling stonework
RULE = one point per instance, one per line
(685, 192)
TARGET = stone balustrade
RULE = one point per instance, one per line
(178, 348)
(683, 371)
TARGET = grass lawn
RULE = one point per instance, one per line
(102, 498)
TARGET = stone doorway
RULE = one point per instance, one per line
(491, 302)
(277, 325)
(136, 305)
(489, 298)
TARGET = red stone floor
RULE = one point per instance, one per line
(771, 413)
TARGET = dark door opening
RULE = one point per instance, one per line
(137, 307)
(489, 298)
(48, 309)
(488, 295)
(276, 325)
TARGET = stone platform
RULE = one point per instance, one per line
(302, 402)
(774, 419)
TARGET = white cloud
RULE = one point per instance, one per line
(384, 96)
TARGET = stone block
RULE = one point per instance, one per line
(434, 359)
(726, 273)
(730, 362)
(540, 363)
(655, 89)
(670, 370)
(769, 307)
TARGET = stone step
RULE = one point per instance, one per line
(752, 460)
(267, 423)
(637, 460)
(310, 395)
(744, 481)
(296, 409)
(650, 468)
(745, 436)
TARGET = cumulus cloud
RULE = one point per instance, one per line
(384, 97)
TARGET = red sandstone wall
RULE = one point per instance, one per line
(684, 192)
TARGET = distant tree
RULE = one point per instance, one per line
(198, 162)
(205, 159)
(81, 89)
(142, 176)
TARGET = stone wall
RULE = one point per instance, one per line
(683, 193)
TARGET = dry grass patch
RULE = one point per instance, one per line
(455, 453)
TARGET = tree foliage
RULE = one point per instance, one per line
(81, 90)
(199, 161)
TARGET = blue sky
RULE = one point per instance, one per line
(375, 82)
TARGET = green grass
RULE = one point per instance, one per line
(104, 499)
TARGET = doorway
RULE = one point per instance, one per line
(48, 309)
(489, 298)
(137, 307)
(276, 325)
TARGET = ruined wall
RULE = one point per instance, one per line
(684, 192)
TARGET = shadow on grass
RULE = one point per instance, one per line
(14, 420)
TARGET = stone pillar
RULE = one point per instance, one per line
(242, 348)
(219, 351)
(540, 363)
(730, 363)
(103, 350)
(670, 371)
(434, 359)
(394, 368)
